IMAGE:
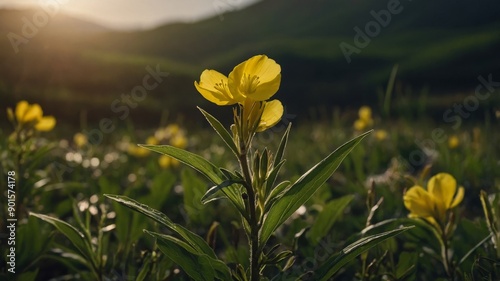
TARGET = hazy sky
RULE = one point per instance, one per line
(127, 14)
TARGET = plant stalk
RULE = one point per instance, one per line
(254, 225)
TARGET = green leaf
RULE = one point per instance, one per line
(75, 236)
(325, 220)
(304, 188)
(194, 161)
(336, 262)
(275, 195)
(273, 175)
(197, 266)
(221, 131)
(211, 192)
(282, 147)
(203, 166)
(195, 241)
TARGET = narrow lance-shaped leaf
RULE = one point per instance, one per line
(336, 262)
(73, 234)
(194, 161)
(282, 147)
(195, 241)
(221, 131)
(328, 216)
(304, 188)
(273, 175)
(203, 166)
(197, 266)
(209, 195)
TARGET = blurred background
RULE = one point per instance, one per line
(78, 58)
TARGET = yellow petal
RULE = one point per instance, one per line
(381, 135)
(80, 139)
(442, 187)
(45, 124)
(33, 113)
(213, 87)
(273, 111)
(137, 151)
(257, 78)
(359, 125)
(365, 113)
(419, 202)
(164, 161)
(453, 142)
(152, 140)
(458, 197)
(10, 115)
(21, 109)
(179, 141)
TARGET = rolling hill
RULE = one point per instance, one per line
(441, 45)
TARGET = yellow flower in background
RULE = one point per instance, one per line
(179, 141)
(26, 113)
(364, 118)
(257, 78)
(33, 115)
(250, 84)
(381, 135)
(359, 125)
(152, 140)
(453, 142)
(80, 139)
(432, 204)
(137, 151)
(165, 161)
(365, 114)
(172, 129)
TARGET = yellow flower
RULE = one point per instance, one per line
(152, 140)
(179, 141)
(359, 125)
(26, 113)
(164, 161)
(137, 151)
(33, 114)
(172, 129)
(251, 83)
(380, 135)
(453, 142)
(80, 139)
(257, 78)
(432, 204)
(365, 114)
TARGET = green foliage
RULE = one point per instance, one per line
(193, 235)
(333, 264)
(299, 192)
(328, 216)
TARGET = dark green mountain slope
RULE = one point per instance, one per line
(442, 44)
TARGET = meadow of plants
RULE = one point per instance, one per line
(374, 194)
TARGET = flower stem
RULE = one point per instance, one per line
(445, 256)
(254, 225)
